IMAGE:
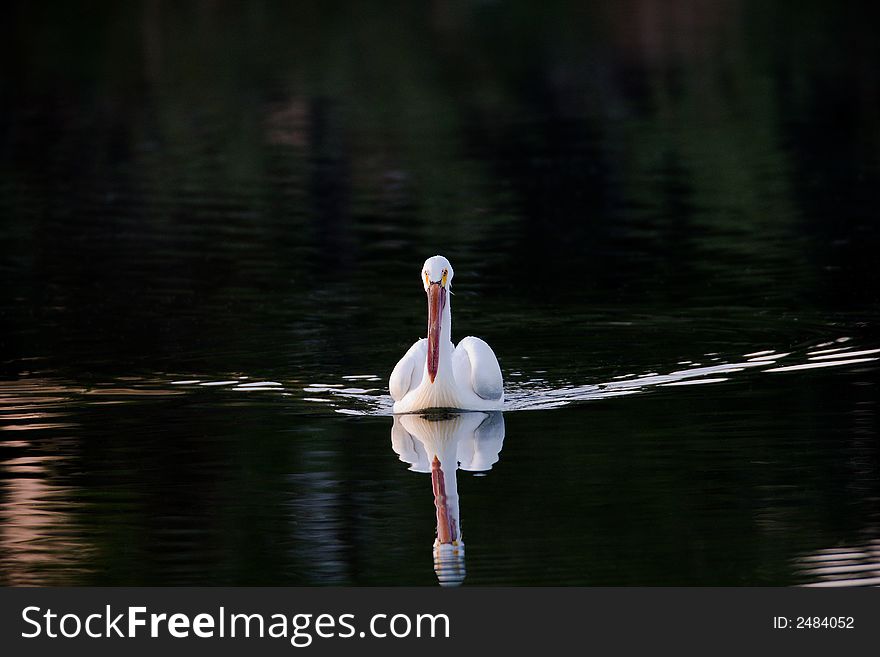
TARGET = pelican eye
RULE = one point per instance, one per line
(443, 280)
(427, 279)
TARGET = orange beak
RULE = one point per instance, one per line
(436, 304)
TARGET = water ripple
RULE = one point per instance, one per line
(25, 401)
(525, 392)
(844, 566)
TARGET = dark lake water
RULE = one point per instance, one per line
(663, 218)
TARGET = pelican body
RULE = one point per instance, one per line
(436, 374)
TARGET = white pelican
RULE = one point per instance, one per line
(433, 373)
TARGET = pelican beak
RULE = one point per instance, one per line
(436, 304)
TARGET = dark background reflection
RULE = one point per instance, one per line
(211, 189)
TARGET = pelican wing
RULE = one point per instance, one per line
(408, 448)
(474, 363)
(407, 374)
(485, 444)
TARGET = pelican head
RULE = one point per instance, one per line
(437, 270)
(437, 278)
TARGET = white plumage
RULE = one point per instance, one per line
(435, 374)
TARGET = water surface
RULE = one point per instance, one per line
(662, 217)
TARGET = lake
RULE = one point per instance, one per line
(662, 217)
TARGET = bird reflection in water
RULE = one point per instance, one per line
(440, 443)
